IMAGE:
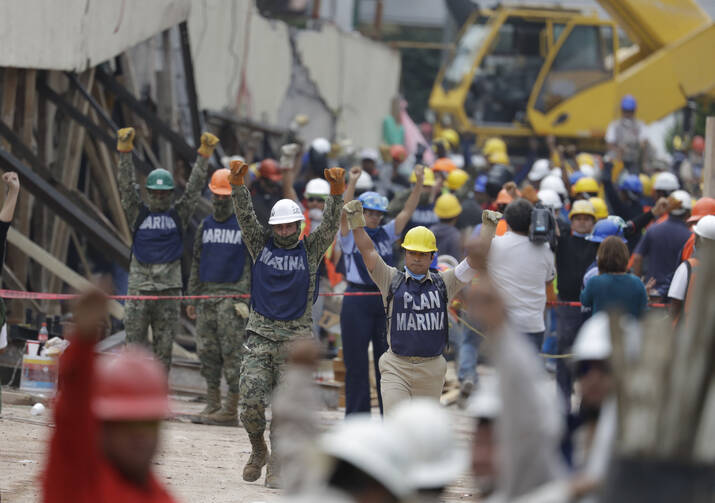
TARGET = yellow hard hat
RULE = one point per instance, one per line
(585, 184)
(599, 205)
(429, 178)
(493, 145)
(451, 136)
(420, 239)
(582, 207)
(677, 142)
(498, 158)
(447, 206)
(456, 179)
(584, 158)
(647, 183)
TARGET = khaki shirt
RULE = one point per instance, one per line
(382, 275)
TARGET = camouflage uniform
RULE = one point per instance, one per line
(155, 279)
(265, 348)
(219, 327)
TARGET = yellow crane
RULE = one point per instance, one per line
(517, 71)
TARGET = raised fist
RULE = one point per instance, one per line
(125, 139)
(208, 144)
(336, 178)
(238, 173)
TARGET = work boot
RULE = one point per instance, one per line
(227, 415)
(273, 478)
(259, 453)
(213, 402)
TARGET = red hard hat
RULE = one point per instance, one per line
(130, 386)
(269, 169)
(698, 144)
(398, 153)
(703, 207)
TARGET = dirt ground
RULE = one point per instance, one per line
(198, 463)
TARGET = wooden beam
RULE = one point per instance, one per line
(709, 171)
(165, 99)
(57, 268)
(69, 162)
(9, 95)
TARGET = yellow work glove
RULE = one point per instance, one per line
(288, 153)
(208, 144)
(125, 139)
(336, 179)
(490, 219)
(238, 173)
(353, 211)
(241, 309)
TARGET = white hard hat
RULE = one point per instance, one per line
(686, 202)
(285, 211)
(554, 183)
(666, 181)
(539, 170)
(588, 170)
(550, 199)
(424, 427)
(556, 172)
(485, 401)
(478, 161)
(458, 160)
(369, 153)
(593, 341)
(320, 145)
(364, 182)
(317, 187)
(705, 228)
(371, 447)
(226, 160)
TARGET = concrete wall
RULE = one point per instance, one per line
(77, 34)
(342, 81)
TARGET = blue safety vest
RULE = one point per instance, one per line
(419, 325)
(280, 282)
(383, 245)
(223, 254)
(423, 215)
(157, 237)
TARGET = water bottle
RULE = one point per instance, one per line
(43, 335)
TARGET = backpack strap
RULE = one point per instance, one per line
(395, 284)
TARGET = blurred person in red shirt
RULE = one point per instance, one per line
(107, 416)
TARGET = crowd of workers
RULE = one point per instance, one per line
(432, 259)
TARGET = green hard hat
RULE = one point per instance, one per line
(160, 179)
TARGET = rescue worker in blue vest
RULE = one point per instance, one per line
(362, 318)
(424, 214)
(219, 269)
(159, 225)
(283, 289)
(415, 301)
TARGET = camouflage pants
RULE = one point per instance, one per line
(263, 361)
(161, 315)
(219, 336)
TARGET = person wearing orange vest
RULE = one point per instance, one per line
(704, 207)
(108, 417)
(681, 287)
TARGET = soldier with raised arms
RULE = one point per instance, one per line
(283, 289)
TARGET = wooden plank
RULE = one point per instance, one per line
(69, 162)
(709, 171)
(165, 98)
(57, 268)
(9, 95)
(101, 164)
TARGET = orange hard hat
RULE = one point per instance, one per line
(219, 183)
(269, 169)
(131, 386)
(444, 164)
(504, 197)
(698, 144)
(703, 207)
(398, 153)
